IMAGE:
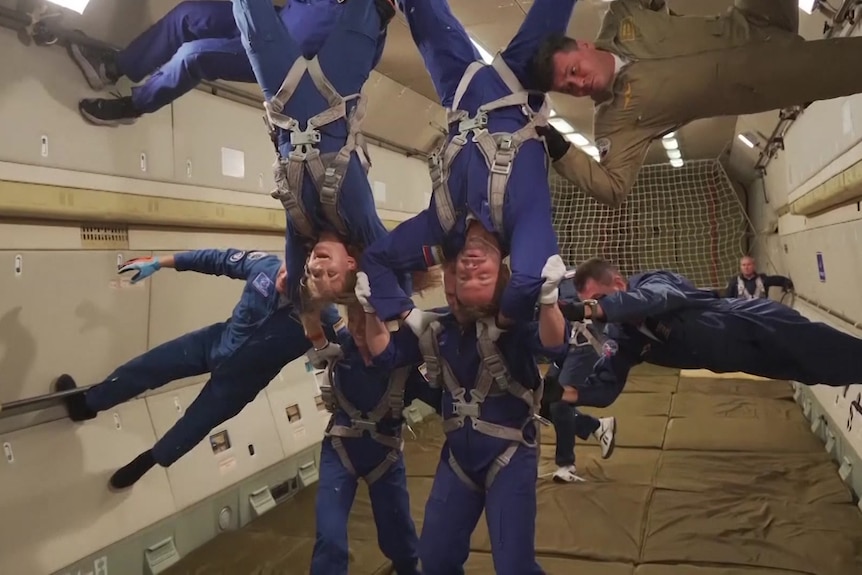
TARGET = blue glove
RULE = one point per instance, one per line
(145, 267)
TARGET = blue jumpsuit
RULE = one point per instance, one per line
(364, 386)
(528, 238)
(453, 509)
(194, 41)
(663, 319)
(569, 371)
(242, 354)
(348, 39)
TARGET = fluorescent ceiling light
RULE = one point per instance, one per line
(591, 150)
(676, 163)
(484, 54)
(669, 136)
(553, 113)
(745, 140)
(577, 139)
(669, 144)
(673, 154)
(561, 125)
(808, 6)
(73, 5)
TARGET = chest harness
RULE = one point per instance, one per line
(493, 380)
(499, 149)
(759, 289)
(325, 170)
(391, 405)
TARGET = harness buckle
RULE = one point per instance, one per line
(505, 156)
(480, 120)
(363, 425)
(307, 137)
(541, 420)
(498, 371)
(464, 409)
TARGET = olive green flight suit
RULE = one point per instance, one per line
(682, 68)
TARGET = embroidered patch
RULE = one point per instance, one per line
(628, 30)
(256, 256)
(604, 146)
(627, 96)
(262, 283)
(237, 256)
(610, 348)
(433, 255)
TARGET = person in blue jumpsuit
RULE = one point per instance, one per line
(474, 242)
(347, 39)
(490, 463)
(242, 355)
(193, 42)
(351, 451)
(569, 422)
(660, 317)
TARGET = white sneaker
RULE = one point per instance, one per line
(566, 475)
(605, 435)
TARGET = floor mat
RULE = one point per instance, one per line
(711, 476)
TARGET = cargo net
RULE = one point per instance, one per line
(689, 220)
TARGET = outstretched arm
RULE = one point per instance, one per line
(236, 264)
(609, 180)
(444, 44)
(657, 294)
(390, 350)
(532, 241)
(544, 18)
(414, 245)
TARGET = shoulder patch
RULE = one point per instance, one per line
(604, 146)
(433, 255)
(237, 256)
(263, 284)
(252, 256)
(610, 348)
(628, 30)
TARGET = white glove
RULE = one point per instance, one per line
(488, 326)
(363, 292)
(320, 358)
(418, 320)
(553, 273)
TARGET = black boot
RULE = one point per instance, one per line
(98, 66)
(76, 404)
(386, 11)
(109, 112)
(129, 474)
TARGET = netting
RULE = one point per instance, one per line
(689, 220)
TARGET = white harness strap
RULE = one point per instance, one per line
(390, 405)
(759, 290)
(327, 172)
(493, 379)
(499, 150)
(581, 329)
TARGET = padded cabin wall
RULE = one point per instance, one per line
(823, 142)
(203, 147)
(65, 311)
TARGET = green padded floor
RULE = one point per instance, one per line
(710, 477)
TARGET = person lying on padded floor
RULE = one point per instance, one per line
(490, 403)
(660, 317)
(242, 354)
(363, 440)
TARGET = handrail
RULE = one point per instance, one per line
(37, 403)
(789, 115)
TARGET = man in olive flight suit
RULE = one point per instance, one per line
(651, 71)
